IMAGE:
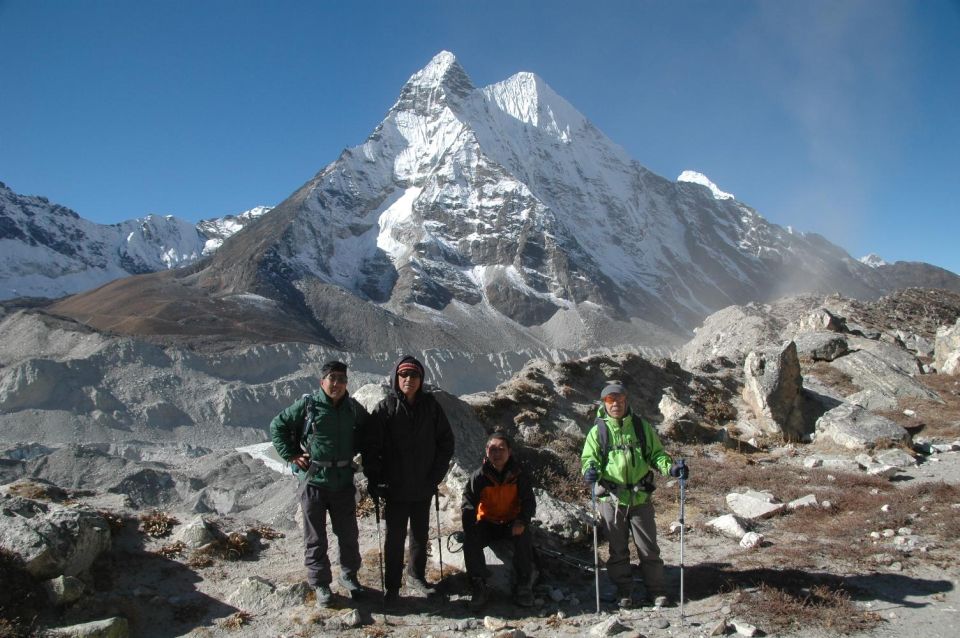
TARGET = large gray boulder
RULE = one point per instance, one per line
(772, 390)
(869, 371)
(854, 428)
(730, 334)
(52, 539)
(946, 357)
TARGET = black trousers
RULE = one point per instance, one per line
(316, 502)
(477, 535)
(398, 515)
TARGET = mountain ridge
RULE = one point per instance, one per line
(497, 217)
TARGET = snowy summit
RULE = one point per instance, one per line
(699, 178)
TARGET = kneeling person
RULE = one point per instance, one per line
(498, 503)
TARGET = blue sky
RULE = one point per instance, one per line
(838, 117)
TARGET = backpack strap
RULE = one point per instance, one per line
(309, 421)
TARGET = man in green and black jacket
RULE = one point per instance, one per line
(620, 455)
(319, 435)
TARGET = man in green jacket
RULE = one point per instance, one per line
(319, 435)
(620, 454)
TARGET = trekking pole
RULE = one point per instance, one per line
(596, 554)
(436, 502)
(683, 485)
(383, 582)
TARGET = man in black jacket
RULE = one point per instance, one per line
(498, 503)
(408, 450)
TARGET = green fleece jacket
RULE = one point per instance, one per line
(337, 436)
(627, 462)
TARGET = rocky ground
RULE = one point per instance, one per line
(847, 524)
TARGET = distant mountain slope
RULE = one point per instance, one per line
(497, 218)
(47, 250)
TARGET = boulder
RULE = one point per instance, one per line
(258, 595)
(821, 320)
(64, 590)
(869, 371)
(946, 349)
(559, 518)
(730, 334)
(772, 389)
(854, 428)
(821, 346)
(116, 627)
(752, 505)
(728, 525)
(52, 539)
(196, 533)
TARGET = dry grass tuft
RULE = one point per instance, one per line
(831, 376)
(37, 491)
(376, 631)
(266, 532)
(235, 620)
(174, 550)
(803, 607)
(157, 524)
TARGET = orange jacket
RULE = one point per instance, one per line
(499, 497)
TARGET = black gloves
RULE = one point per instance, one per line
(680, 470)
(591, 475)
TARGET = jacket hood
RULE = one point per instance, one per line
(394, 385)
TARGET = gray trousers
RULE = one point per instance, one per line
(618, 524)
(315, 503)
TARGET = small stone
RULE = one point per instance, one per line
(885, 508)
(609, 627)
(889, 533)
(826, 505)
(895, 566)
(904, 531)
(726, 610)
(718, 629)
(744, 628)
(660, 623)
(751, 540)
(875, 535)
(494, 624)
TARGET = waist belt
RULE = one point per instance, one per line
(645, 484)
(331, 463)
(317, 465)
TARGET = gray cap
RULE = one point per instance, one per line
(612, 387)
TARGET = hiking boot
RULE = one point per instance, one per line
(524, 597)
(479, 594)
(661, 601)
(419, 585)
(351, 584)
(391, 598)
(625, 599)
(323, 594)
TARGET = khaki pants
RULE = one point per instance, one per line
(619, 524)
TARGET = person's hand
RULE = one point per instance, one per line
(680, 470)
(518, 528)
(591, 475)
(302, 461)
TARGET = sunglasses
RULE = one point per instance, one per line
(409, 373)
(337, 378)
(614, 398)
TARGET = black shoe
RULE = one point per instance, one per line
(524, 597)
(625, 599)
(419, 585)
(391, 598)
(323, 594)
(479, 594)
(351, 584)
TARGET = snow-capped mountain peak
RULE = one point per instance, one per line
(873, 260)
(526, 97)
(699, 178)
